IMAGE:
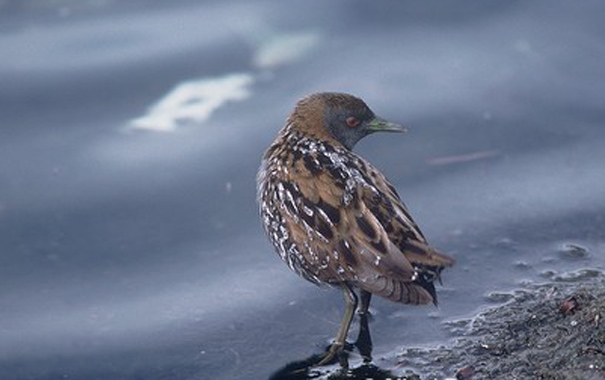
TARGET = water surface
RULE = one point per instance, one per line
(132, 132)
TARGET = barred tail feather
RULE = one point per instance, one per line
(399, 291)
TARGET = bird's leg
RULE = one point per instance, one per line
(365, 297)
(364, 340)
(350, 305)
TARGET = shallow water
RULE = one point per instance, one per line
(131, 134)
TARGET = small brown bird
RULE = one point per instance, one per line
(334, 218)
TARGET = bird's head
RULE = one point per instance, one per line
(342, 117)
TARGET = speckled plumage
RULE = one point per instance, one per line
(333, 217)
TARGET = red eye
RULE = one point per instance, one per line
(352, 121)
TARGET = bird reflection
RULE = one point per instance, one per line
(306, 369)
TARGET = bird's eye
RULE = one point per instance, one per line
(352, 121)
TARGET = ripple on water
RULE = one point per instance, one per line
(578, 275)
(573, 252)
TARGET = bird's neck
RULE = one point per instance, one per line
(293, 134)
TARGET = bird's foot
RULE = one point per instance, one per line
(335, 352)
(364, 340)
(364, 346)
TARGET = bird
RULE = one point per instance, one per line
(335, 219)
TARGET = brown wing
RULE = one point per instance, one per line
(388, 209)
(359, 241)
(394, 217)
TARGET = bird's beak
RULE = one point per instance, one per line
(379, 124)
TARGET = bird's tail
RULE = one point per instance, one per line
(399, 291)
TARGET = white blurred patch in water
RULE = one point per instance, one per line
(194, 102)
(281, 49)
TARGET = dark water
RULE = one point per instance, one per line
(131, 132)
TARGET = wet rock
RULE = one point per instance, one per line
(569, 306)
(578, 275)
(458, 327)
(465, 373)
(573, 251)
(548, 331)
(547, 273)
(499, 297)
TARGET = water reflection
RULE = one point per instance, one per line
(305, 369)
(363, 372)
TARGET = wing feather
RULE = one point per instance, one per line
(359, 233)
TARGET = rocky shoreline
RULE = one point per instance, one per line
(551, 331)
